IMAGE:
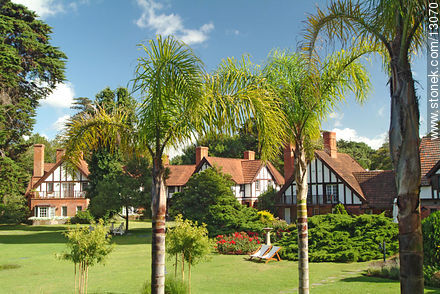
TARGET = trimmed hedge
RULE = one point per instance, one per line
(344, 238)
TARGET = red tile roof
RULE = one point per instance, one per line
(429, 156)
(344, 166)
(179, 174)
(379, 188)
(242, 171)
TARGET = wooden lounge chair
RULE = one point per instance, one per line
(260, 251)
(272, 254)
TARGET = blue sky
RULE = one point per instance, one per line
(100, 38)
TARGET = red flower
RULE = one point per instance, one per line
(258, 242)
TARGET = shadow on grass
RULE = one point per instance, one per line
(367, 279)
(54, 234)
(29, 228)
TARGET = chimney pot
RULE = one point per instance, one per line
(60, 154)
(289, 160)
(330, 144)
(200, 153)
(38, 160)
(249, 155)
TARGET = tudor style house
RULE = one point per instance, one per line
(335, 177)
(251, 177)
(56, 192)
(330, 181)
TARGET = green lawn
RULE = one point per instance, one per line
(34, 250)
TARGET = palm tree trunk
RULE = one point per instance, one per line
(301, 196)
(404, 148)
(158, 207)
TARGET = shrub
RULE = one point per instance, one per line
(431, 239)
(339, 209)
(266, 217)
(82, 217)
(266, 201)
(389, 269)
(237, 243)
(208, 198)
(343, 238)
(13, 209)
(172, 286)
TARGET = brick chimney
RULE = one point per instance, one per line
(330, 143)
(60, 154)
(289, 157)
(200, 153)
(38, 160)
(249, 155)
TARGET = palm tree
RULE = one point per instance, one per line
(399, 28)
(180, 102)
(308, 93)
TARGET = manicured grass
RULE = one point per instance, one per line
(33, 250)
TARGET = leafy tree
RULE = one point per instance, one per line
(381, 159)
(398, 29)
(208, 198)
(30, 68)
(266, 201)
(309, 90)
(179, 101)
(359, 151)
(189, 240)
(431, 239)
(13, 180)
(87, 247)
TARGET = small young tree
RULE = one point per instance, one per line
(191, 241)
(86, 248)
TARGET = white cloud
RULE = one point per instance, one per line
(61, 97)
(59, 124)
(45, 8)
(348, 134)
(337, 118)
(381, 111)
(170, 24)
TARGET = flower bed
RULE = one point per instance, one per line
(237, 243)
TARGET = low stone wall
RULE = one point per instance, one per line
(46, 222)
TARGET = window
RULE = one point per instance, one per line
(84, 186)
(49, 187)
(171, 191)
(257, 185)
(42, 212)
(331, 193)
(68, 189)
(79, 208)
(64, 211)
(242, 191)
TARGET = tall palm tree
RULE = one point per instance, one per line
(399, 28)
(180, 101)
(308, 92)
